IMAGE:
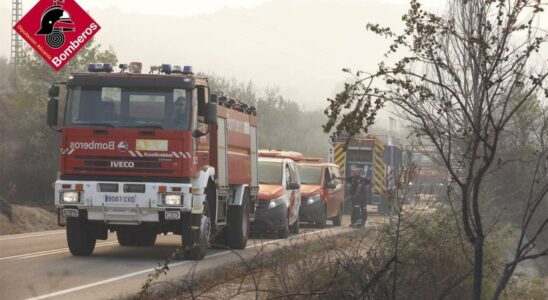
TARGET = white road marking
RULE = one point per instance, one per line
(50, 252)
(30, 235)
(117, 278)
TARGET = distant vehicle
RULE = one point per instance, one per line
(375, 159)
(145, 154)
(279, 193)
(322, 192)
(431, 176)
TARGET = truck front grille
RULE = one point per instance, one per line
(113, 164)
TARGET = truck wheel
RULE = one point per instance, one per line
(126, 237)
(146, 239)
(284, 231)
(337, 221)
(322, 220)
(195, 241)
(296, 226)
(237, 231)
(80, 237)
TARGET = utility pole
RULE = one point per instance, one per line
(16, 13)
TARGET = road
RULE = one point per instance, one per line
(39, 265)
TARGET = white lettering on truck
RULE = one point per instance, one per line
(122, 164)
(93, 145)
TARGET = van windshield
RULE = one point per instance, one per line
(129, 107)
(270, 172)
(310, 174)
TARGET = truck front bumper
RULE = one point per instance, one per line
(124, 202)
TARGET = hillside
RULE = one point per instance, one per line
(20, 219)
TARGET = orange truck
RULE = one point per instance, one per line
(279, 192)
(322, 192)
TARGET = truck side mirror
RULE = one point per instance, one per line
(211, 114)
(53, 91)
(53, 108)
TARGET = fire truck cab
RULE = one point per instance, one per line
(146, 154)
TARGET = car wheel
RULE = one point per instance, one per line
(337, 221)
(284, 231)
(322, 219)
(296, 226)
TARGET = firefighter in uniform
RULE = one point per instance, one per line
(358, 184)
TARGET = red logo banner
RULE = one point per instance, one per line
(57, 30)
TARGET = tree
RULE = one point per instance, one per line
(459, 80)
(283, 124)
(29, 150)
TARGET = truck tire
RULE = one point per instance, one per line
(132, 237)
(237, 231)
(80, 237)
(195, 241)
(147, 239)
(126, 238)
(283, 233)
(337, 221)
(322, 220)
(296, 226)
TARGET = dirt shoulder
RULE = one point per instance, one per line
(21, 219)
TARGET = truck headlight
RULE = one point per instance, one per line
(313, 199)
(172, 199)
(71, 197)
(275, 202)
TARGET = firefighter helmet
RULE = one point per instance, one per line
(52, 16)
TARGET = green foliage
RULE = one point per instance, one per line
(29, 149)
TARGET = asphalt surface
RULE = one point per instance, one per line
(40, 266)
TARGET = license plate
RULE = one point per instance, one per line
(172, 215)
(70, 212)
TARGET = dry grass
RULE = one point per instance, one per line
(303, 269)
(26, 219)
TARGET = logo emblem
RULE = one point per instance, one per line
(57, 30)
(123, 146)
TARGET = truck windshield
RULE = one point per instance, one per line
(310, 174)
(270, 172)
(129, 107)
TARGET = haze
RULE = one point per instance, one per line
(297, 45)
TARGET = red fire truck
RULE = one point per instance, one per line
(146, 154)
